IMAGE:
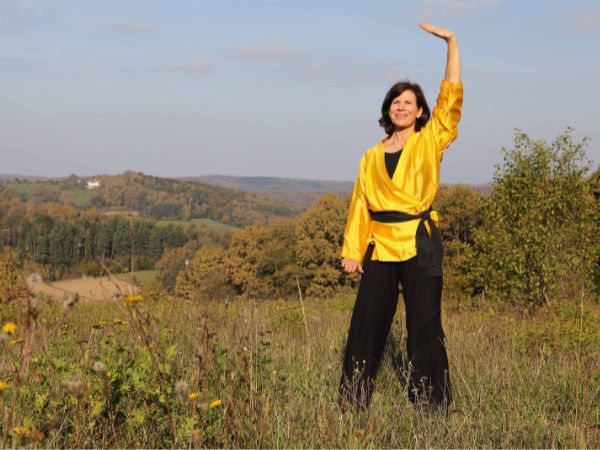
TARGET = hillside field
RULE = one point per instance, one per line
(161, 371)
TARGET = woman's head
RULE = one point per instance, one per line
(404, 105)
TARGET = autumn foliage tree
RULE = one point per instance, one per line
(536, 242)
(319, 241)
(460, 215)
(204, 277)
(261, 259)
(12, 284)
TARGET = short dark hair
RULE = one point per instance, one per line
(394, 92)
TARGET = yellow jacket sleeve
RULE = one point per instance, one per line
(443, 125)
(357, 232)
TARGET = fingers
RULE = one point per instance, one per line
(350, 266)
(437, 31)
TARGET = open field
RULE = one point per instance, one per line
(96, 288)
(249, 373)
(93, 288)
(199, 222)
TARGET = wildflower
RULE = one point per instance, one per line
(132, 299)
(9, 328)
(110, 335)
(215, 403)
(16, 341)
(3, 385)
(117, 321)
(108, 374)
(102, 323)
(193, 395)
(20, 431)
(99, 367)
(33, 280)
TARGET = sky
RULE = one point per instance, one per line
(284, 88)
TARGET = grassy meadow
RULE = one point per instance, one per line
(152, 371)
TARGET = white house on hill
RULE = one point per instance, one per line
(93, 183)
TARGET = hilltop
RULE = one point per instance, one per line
(290, 190)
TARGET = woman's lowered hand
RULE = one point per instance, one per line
(351, 265)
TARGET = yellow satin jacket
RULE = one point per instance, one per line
(411, 190)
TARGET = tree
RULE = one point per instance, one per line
(204, 277)
(319, 241)
(460, 214)
(260, 261)
(12, 284)
(537, 232)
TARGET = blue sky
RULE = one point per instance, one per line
(288, 88)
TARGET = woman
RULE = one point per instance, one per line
(392, 230)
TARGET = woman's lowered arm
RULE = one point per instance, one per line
(453, 62)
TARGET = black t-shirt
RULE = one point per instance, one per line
(391, 162)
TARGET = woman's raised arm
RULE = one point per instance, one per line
(453, 63)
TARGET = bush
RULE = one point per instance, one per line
(537, 232)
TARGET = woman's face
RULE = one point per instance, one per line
(404, 111)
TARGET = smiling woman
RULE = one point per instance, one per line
(392, 238)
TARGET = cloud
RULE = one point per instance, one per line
(267, 52)
(202, 66)
(16, 61)
(10, 8)
(128, 27)
(344, 68)
(447, 9)
(580, 22)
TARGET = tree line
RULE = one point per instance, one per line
(158, 198)
(61, 241)
(532, 240)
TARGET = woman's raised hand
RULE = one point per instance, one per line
(453, 63)
(351, 265)
(437, 31)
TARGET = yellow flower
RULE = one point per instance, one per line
(193, 395)
(108, 374)
(131, 299)
(102, 322)
(9, 328)
(20, 430)
(215, 403)
(124, 322)
(16, 341)
(3, 385)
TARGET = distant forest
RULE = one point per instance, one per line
(67, 229)
(529, 239)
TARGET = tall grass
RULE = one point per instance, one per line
(251, 373)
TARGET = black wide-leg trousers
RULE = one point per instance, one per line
(371, 321)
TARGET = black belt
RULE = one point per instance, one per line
(429, 248)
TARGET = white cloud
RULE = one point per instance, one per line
(201, 66)
(16, 61)
(267, 52)
(128, 27)
(581, 22)
(447, 9)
